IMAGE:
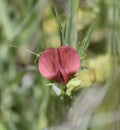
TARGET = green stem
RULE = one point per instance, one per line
(71, 28)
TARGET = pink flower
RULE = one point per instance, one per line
(59, 64)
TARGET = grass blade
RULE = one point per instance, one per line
(85, 43)
(71, 27)
(59, 21)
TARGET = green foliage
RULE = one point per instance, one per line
(85, 43)
(59, 21)
(71, 27)
(26, 102)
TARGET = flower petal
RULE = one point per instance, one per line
(48, 63)
(69, 59)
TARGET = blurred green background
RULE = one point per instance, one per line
(26, 102)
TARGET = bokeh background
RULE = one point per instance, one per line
(26, 100)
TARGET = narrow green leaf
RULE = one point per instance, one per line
(59, 21)
(85, 43)
(69, 23)
(71, 27)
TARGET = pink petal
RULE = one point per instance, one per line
(62, 75)
(48, 63)
(69, 59)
